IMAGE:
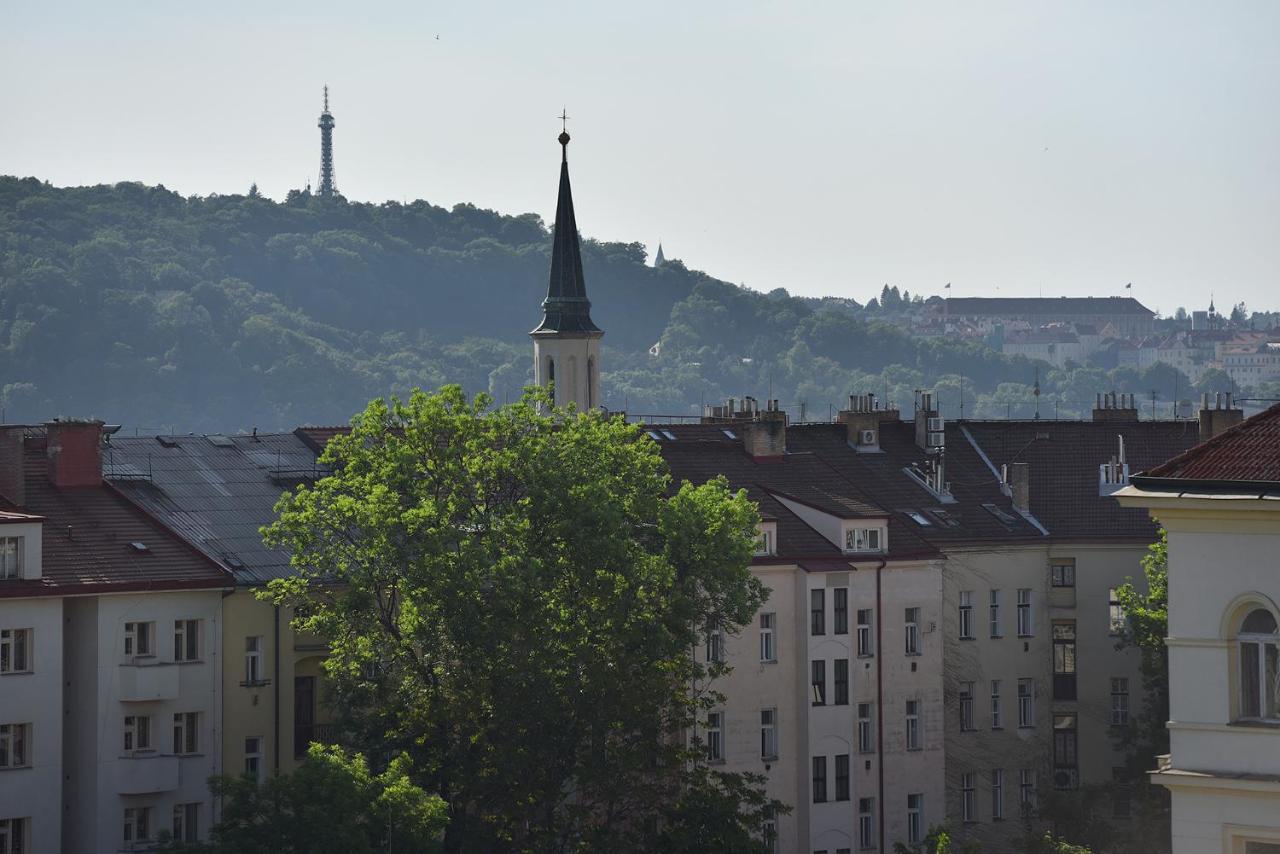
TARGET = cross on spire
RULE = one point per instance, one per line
(564, 119)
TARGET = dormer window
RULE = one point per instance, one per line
(1259, 667)
(863, 540)
(10, 557)
(766, 540)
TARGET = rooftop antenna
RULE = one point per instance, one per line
(1036, 391)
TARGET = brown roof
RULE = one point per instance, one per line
(1248, 453)
(89, 538)
(1064, 457)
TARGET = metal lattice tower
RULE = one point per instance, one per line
(328, 187)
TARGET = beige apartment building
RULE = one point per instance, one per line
(1220, 503)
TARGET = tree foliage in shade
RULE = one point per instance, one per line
(511, 596)
(331, 804)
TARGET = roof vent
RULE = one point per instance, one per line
(140, 547)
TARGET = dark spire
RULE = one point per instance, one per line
(566, 308)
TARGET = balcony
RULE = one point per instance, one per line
(146, 774)
(304, 734)
(146, 682)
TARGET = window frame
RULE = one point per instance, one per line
(1026, 702)
(1119, 701)
(137, 824)
(966, 615)
(993, 614)
(866, 728)
(254, 756)
(136, 734)
(768, 638)
(817, 612)
(966, 707)
(15, 745)
(997, 705)
(840, 611)
(819, 779)
(840, 676)
(911, 731)
(1266, 699)
(16, 644)
(911, 630)
(866, 641)
(1027, 790)
(842, 777)
(1026, 623)
(968, 797)
(185, 822)
(253, 658)
(915, 818)
(715, 736)
(15, 833)
(769, 734)
(12, 570)
(997, 794)
(186, 733)
(866, 823)
(1062, 572)
(187, 640)
(139, 634)
(818, 680)
(1117, 619)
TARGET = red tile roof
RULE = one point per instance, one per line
(1248, 452)
(88, 538)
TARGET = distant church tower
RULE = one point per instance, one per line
(566, 344)
(327, 185)
(659, 259)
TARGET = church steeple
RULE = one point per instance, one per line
(566, 344)
(566, 308)
(659, 259)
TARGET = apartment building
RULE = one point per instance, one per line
(217, 492)
(1220, 503)
(110, 701)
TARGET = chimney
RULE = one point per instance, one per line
(1111, 406)
(1020, 486)
(1222, 415)
(862, 422)
(74, 452)
(765, 435)
(929, 432)
(13, 482)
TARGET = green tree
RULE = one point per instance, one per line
(331, 804)
(510, 596)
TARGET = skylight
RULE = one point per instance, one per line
(917, 517)
(140, 547)
(654, 435)
(669, 435)
(730, 434)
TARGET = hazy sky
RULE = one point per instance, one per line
(1009, 148)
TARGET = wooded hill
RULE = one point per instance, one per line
(163, 312)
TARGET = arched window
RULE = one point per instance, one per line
(551, 377)
(1259, 666)
(591, 375)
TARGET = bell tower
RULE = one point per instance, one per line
(566, 344)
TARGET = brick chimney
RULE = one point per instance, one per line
(13, 482)
(1111, 406)
(1219, 414)
(765, 435)
(1019, 484)
(74, 452)
(862, 422)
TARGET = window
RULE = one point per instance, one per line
(997, 718)
(137, 732)
(769, 830)
(715, 736)
(715, 644)
(819, 779)
(186, 640)
(1026, 703)
(915, 819)
(997, 794)
(966, 706)
(10, 557)
(1121, 797)
(842, 777)
(15, 650)
(912, 619)
(253, 660)
(1027, 790)
(137, 638)
(968, 797)
(865, 742)
(994, 616)
(253, 756)
(1064, 660)
(186, 822)
(966, 615)
(1063, 572)
(862, 540)
(842, 681)
(768, 733)
(1064, 744)
(1119, 701)
(819, 683)
(817, 612)
(186, 732)
(14, 833)
(866, 822)
(840, 610)
(1259, 666)
(137, 824)
(1024, 613)
(864, 633)
(764, 542)
(1115, 612)
(913, 724)
(768, 647)
(14, 739)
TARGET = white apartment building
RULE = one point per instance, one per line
(1220, 503)
(110, 696)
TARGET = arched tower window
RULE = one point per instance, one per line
(591, 378)
(1259, 666)
(551, 377)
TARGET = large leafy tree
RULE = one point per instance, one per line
(512, 596)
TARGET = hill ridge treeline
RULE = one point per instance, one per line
(137, 304)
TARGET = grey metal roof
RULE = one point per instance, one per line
(216, 491)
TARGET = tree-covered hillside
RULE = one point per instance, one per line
(138, 305)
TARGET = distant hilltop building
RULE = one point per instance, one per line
(1126, 317)
(328, 187)
(659, 259)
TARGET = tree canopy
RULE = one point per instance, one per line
(510, 595)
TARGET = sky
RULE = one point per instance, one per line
(1011, 149)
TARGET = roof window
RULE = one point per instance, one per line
(140, 547)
